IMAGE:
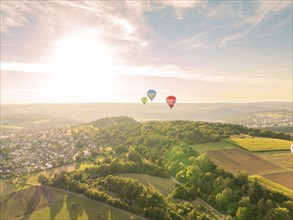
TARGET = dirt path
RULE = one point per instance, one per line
(220, 215)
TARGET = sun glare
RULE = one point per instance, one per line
(81, 70)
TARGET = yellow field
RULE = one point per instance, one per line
(260, 144)
(270, 185)
(281, 159)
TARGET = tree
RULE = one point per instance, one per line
(243, 214)
(280, 213)
(42, 179)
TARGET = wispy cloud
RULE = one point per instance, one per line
(13, 14)
(192, 73)
(233, 21)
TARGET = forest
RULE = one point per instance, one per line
(162, 148)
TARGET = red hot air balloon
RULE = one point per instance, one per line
(171, 100)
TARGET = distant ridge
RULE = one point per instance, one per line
(86, 112)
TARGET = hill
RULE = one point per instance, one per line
(120, 147)
(153, 111)
(272, 120)
(19, 121)
(49, 203)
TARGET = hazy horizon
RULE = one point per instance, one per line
(115, 51)
(150, 103)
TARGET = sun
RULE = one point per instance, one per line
(82, 70)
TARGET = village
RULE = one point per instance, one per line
(265, 119)
(29, 150)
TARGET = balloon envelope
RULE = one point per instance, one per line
(171, 100)
(151, 94)
(144, 100)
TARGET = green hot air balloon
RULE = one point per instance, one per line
(144, 100)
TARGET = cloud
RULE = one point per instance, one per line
(13, 14)
(227, 22)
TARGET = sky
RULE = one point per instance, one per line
(114, 51)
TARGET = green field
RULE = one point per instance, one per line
(201, 148)
(49, 203)
(270, 185)
(260, 144)
(163, 185)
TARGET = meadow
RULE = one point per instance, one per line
(163, 185)
(50, 203)
(211, 146)
(256, 144)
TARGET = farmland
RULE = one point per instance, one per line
(284, 178)
(273, 186)
(260, 144)
(48, 203)
(211, 146)
(235, 160)
(281, 159)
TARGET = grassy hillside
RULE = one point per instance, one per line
(48, 203)
(260, 144)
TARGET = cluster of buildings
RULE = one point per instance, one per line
(262, 120)
(26, 151)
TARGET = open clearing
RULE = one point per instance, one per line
(280, 159)
(283, 178)
(163, 185)
(235, 160)
(49, 203)
(260, 144)
(211, 146)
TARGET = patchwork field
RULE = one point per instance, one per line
(201, 148)
(260, 144)
(283, 178)
(280, 159)
(48, 203)
(238, 159)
